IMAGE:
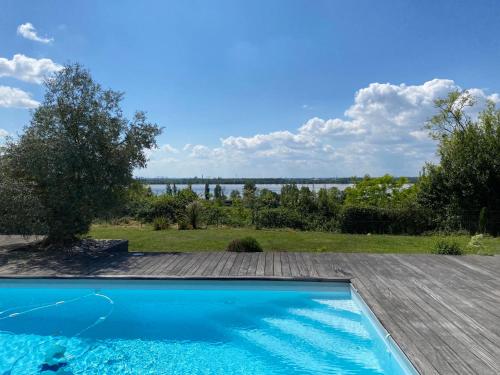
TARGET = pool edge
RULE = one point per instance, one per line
(397, 353)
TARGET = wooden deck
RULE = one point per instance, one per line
(444, 312)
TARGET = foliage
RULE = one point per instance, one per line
(244, 245)
(21, 211)
(194, 213)
(476, 245)
(329, 202)
(160, 223)
(249, 194)
(268, 199)
(235, 195)
(279, 218)
(385, 191)
(166, 206)
(483, 220)
(447, 247)
(78, 153)
(207, 191)
(218, 193)
(289, 196)
(468, 176)
(183, 223)
(407, 220)
(306, 200)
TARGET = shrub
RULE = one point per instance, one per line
(182, 223)
(368, 219)
(280, 218)
(194, 212)
(160, 223)
(165, 206)
(244, 245)
(447, 247)
(476, 245)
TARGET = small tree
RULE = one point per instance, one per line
(207, 191)
(78, 152)
(468, 175)
(168, 189)
(249, 198)
(235, 195)
(218, 192)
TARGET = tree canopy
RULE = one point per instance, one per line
(468, 176)
(77, 154)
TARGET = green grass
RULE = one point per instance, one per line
(144, 238)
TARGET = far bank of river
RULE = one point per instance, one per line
(228, 188)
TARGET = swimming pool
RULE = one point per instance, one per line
(190, 327)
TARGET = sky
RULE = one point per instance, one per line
(275, 88)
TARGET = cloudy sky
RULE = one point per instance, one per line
(262, 88)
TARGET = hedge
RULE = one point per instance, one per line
(360, 219)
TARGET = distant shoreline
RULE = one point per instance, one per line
(260, 181)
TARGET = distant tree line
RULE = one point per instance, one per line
(258, 181)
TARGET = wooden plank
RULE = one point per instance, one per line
(252, 266)
(294, 269)
(391, 314)
(261, 263)
(228, 265)
(277, 264)
(221, 264)
(211, 264)
(268, 268)
(236, 265)
(285, 265)
(244, 264)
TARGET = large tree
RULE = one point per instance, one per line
(468, 176)
(78, 153)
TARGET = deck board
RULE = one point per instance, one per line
(444, 312)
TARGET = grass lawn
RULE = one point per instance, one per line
(144, 238)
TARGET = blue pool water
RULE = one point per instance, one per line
(190, 327)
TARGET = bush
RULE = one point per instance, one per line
(364, 219)
(160, 223)
(279, 218)
(165, 206)
(447, 247)
(183, 223)
(476, 245)
(244, 245)
(194, 212)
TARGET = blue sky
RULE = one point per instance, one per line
(262, 88)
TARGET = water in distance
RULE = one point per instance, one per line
(228, 188)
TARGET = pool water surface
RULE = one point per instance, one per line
(190, 327)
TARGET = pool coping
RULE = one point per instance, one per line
(148, 277)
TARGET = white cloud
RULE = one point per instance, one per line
(169, 149)
(28, 31)
(27, 69)
(381, 132)
(11, 97)
(3, 133)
